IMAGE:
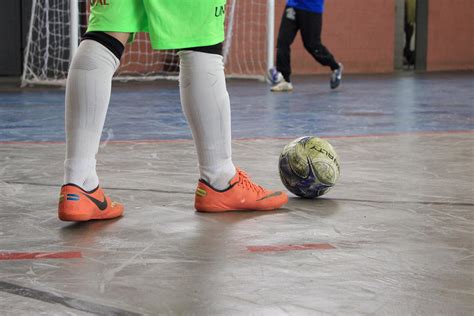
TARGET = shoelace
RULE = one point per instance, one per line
(244, 180)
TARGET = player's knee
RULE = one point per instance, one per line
(319, 52)
(212, 49)
(110, 42)
(312, 48)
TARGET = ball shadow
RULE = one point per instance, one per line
(323, 207)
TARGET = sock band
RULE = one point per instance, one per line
(213, 49)
(108, 41)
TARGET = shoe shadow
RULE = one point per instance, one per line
(84, 233)
(73, 226)
(322, 207)
(236, 216)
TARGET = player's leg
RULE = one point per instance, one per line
(205, 102)
(286, 35)
(87, 97)
(88, 92)
(310, 24)
(206, 105)
(408, 54)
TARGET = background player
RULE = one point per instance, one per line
(307, 17)
(196, 27)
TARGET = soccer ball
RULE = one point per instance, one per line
(309, 167)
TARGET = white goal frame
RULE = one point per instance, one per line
(30, 78)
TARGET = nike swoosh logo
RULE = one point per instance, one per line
(101, 205)
(270, 195)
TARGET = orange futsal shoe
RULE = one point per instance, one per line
(78, 205)
(242, 195)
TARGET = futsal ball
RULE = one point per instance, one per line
(309, 167)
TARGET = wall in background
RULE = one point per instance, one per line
(14, 19)
(450, 43)
(10, 34)
(359, 33)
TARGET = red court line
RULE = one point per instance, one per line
(157, 141)
(39, 255)
(274, 248)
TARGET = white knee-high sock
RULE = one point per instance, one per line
(88, 91)
(206, 105)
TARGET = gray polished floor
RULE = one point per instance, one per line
(400, 223)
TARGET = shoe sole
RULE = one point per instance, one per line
(236, 210)
(85, 217)
(288, 90)
(74, 217)
(216, 210)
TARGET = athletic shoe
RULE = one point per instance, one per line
(336, 76)
(242, 195)
(282, 86)
(274, 76)
(78, 205)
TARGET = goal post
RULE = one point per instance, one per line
(270, 33)
(56, 25)
(73, 27)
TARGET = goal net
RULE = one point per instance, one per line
(56, 26)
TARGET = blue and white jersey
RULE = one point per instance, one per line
(316, 6)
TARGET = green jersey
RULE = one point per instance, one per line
(171, 24)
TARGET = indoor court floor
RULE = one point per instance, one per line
(393, 237)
